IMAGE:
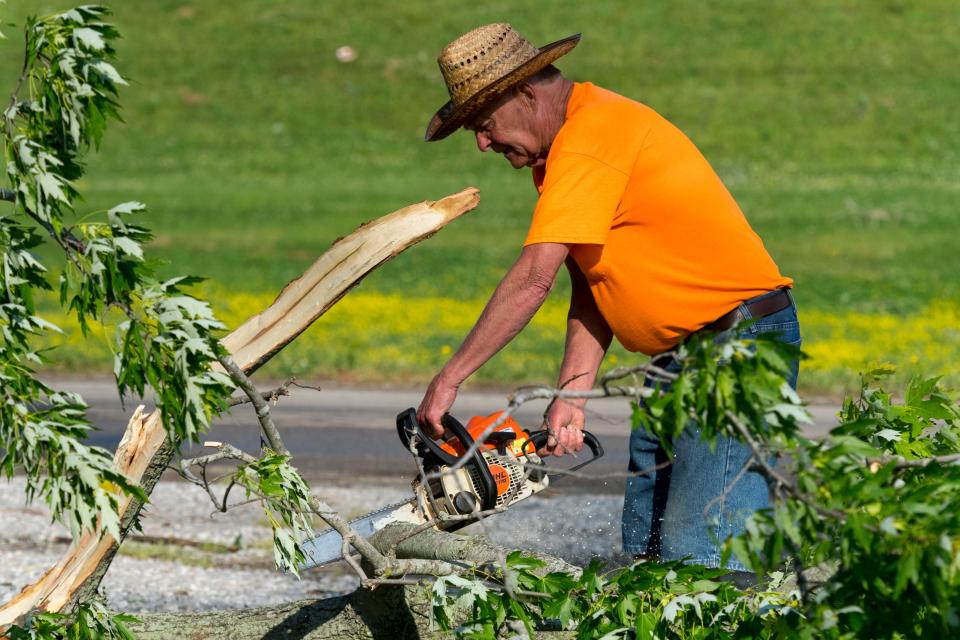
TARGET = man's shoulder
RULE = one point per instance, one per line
(602, 120)
(592, 102)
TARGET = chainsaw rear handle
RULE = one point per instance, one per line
(408, 425)
(539, 438)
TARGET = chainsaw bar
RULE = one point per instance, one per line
(327, 547)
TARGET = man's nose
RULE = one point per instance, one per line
(483, 141)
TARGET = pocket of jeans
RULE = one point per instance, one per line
(788, 332)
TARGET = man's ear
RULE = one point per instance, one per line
(527, 94)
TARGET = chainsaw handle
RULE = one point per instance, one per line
(408, 425)
(539, 438)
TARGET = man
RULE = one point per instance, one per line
(656, 249)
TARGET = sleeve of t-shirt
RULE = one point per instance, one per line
(578, 200)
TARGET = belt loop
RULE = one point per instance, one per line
(745, 314)
(789, 292)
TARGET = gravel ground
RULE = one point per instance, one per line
(239, 571)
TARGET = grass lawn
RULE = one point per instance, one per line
(833, 123)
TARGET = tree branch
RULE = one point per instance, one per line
(528, 394)
(268, 396)
(269, 429)
(772, 475)
(326, 513)
(903, 463)
(225, 452)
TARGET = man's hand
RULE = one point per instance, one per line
(565, 422)
(437, 401)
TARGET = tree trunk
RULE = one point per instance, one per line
(389, 612)
(433, 544)
(394, 612)
(145, 451)
(386, 613)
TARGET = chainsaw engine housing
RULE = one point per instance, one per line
(510, 459)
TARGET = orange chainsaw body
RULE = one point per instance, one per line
(476, 427)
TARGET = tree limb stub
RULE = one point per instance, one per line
(336, 272)
(145, 452)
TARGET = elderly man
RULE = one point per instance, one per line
(656, 249)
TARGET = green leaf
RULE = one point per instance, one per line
(518, 560)
(920, 388)
(889, 435)
(880, 371)
(108, 71)
(645, 627)
(51, 186)
(90, 38)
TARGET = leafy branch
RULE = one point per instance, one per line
(867, 518)
(59, 108)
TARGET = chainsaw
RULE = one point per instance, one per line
(453, 489)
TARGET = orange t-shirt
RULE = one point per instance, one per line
(661, 241)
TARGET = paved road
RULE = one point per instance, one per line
(348, 435)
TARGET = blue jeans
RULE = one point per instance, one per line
(663, 510)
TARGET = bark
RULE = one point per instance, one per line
(145, 451)
(457, 549)
(387, 613)
(394, 612)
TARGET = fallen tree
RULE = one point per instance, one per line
(146, 451)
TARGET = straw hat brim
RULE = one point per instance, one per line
(450, 118)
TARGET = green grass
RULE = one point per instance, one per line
(187, 556)
(833, 123)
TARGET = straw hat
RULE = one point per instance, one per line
(481, 65)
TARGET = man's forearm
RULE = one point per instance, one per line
(509, 310)
(514, 302)
(583, 355)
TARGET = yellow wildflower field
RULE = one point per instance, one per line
(377, 337)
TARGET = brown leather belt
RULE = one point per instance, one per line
(758, 309)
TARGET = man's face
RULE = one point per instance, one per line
(508, 128)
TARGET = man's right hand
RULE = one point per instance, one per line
(565, 421)
(436, 401)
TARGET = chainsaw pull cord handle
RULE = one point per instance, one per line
(539, 439)
(408, 425)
